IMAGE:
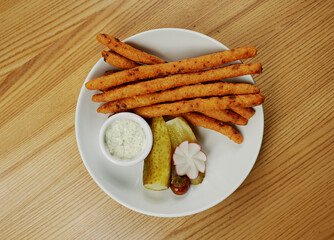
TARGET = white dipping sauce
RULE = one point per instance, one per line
(125, 139)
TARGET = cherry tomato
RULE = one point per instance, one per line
(180, 185)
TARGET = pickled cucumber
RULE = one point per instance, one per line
(180, 131)
(198, 180)
(157, 166)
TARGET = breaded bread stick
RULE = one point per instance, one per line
(160, 70)
(199, 105)
(226, 115)
(185, 92)
(109, 72)
(127, 51)
(116, 60)
(177, 80)
(245, 112)
(213, 124)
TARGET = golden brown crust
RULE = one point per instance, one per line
(226, 115)
(245, 112)
(199, 105)
(213, 124)
(110, 72)
(177, 80)
(185, 92)
(127, 51)
(164, 69)
(116, 60)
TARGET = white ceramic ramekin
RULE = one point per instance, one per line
(147, 131)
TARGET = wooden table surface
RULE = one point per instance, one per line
(47, 48)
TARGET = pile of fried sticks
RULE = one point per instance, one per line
(191, 88)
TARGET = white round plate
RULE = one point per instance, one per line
(228, 163)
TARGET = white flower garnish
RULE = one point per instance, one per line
(189, 159)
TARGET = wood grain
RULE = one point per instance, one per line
(46, 191)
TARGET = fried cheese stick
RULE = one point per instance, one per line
(213, 124)
(226, 115)
(160, 70)
(199, 105)
(177, 80)
(185, 92)
(127, 51)
(245, 112)
(116, 60)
